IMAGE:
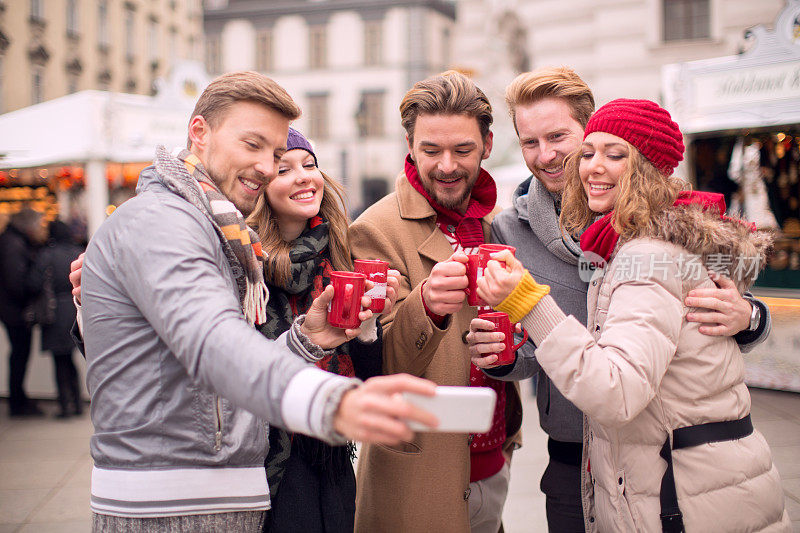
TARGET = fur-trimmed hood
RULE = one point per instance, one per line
(725, 245)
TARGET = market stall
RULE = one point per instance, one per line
(741, 119)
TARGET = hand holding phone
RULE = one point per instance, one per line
(459, 409)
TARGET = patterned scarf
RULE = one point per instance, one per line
(183, 173)
(469, 230)
(310, 274)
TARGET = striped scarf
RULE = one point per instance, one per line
(183, 173)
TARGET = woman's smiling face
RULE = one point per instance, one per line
(603, 161)
(295, 194)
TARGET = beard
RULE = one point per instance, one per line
(449, 201)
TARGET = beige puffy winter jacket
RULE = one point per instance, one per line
(641, 370)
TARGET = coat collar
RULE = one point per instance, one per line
(414, 206)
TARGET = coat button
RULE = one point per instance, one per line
(597, 327)
(594, 282)
(466, 494)
(591, 519)
(419, 344)
(619, 481)
(423, 336)
(464, 337)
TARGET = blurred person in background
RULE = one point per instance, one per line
(20, 286)
(53, 264)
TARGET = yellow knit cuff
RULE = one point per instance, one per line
(523, 298)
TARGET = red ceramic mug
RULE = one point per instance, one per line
(485, 252)
(376, 271)
(473, 273)
(344, 308)
(503, 324)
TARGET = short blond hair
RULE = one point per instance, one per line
(551, 82)
(448, 93)
(244, 86)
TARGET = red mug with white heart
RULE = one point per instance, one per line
(503, 324)
(376, 271)
(348, 288)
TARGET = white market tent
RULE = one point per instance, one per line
(97, 127)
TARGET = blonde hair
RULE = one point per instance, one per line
(245, 86)
(551, 82)
(277, 269)
(643, 192)
(449, 93)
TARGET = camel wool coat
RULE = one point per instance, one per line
(421, 485)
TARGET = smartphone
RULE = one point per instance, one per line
(459, 409)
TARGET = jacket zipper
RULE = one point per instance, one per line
(218, 420)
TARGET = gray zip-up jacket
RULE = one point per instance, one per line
(531, 225)
(165, 342)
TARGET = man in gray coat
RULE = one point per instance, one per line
(180, 380)
(550, 108)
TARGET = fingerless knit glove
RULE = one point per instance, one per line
(523, 298)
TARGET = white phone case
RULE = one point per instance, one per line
(459, 409)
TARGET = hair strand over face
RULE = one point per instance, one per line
(644, 192)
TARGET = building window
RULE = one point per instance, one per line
(173, 45)
(317, 51)
(213, 54)
(130, 34)
(318, 116)
(152, 41)
(72, 18)
(264, 51)
(37, 85)
(373, 43)
(37, 10)
(370, 114)
(102, 24)
(686, 19)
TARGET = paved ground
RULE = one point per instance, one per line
(45, 468)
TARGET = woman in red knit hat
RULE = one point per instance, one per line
(669, 438)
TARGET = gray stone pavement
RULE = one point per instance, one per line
(45, 467)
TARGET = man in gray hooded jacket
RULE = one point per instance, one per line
(171, 285)
(550, 108)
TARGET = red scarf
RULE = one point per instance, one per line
(601, 237)
(469, 231)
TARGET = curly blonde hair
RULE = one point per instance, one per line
(277, 268)
(644, 192)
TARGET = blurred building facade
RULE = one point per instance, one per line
(347, 63)
(617, 46)
(51, 48)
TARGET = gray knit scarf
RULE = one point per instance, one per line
(543, 220)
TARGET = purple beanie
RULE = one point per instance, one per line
(296, 141)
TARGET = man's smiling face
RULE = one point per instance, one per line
(241, 152)
(547, 135)
(448, 151)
